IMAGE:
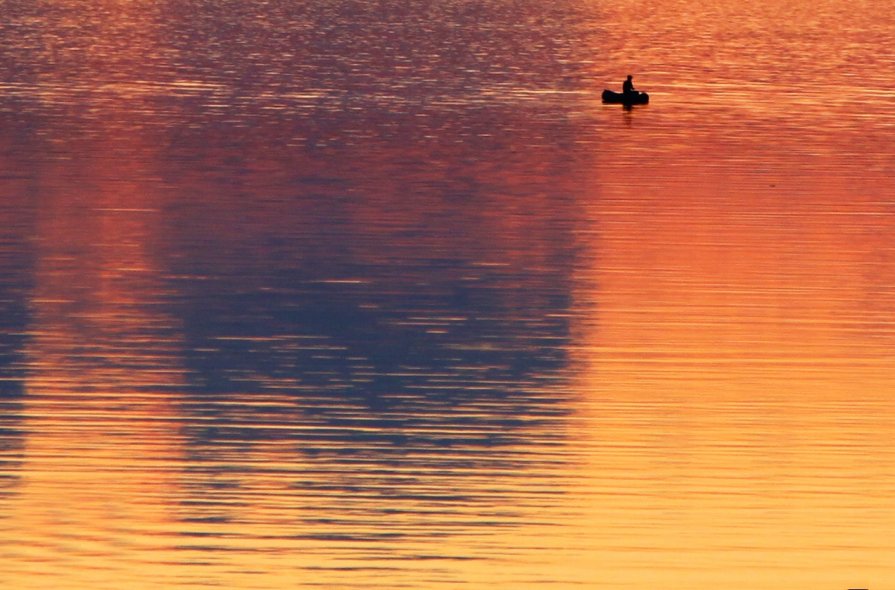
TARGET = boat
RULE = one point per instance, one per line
(610, 97)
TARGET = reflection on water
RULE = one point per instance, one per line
(351, 295)
(15, 266)
(280, 320)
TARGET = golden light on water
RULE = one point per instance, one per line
(737, 389)
(327, 295)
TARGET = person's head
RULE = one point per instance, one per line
(630, 77)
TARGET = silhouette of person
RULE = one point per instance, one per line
(628, 86)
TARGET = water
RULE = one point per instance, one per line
(350, 295)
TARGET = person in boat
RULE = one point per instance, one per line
(628, 87)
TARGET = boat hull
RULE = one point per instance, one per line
(610, 97)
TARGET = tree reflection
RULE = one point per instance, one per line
(396, 307)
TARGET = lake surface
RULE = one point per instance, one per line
(343, 294)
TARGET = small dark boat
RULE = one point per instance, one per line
(610, 97)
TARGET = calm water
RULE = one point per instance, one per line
(343, 294)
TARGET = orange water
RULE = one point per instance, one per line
(349, 295)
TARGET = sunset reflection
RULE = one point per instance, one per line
(103, 365)
(739, 379)
(335, 294)
(270, 362)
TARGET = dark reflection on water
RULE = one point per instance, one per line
(16, 210)
(309, 266)
(385, 238)
(412, 312)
